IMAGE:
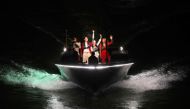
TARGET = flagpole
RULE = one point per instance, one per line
(66, 37)
(93, 35)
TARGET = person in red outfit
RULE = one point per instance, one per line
(104, 54)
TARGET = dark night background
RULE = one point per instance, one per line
(152, 30)
(155, 33)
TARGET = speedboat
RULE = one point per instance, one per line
(95, 78)
(98, 77)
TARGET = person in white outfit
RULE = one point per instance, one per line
(95, 47)
(86, 50)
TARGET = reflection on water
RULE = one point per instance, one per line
(133, 105)
(54, 103)
(76, 99)
(132, 101)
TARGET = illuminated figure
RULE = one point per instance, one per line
(104, 54)
(95, 45)
(86, 50)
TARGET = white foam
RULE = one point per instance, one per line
(150, 80)
(35, 78)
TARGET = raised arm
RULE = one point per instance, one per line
(110, 42)
(99, 40)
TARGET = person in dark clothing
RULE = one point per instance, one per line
(93, 59)
(77, 48)
(74, 57)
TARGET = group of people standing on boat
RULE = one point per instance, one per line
(93, 52)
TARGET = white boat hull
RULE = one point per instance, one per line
(95, 78)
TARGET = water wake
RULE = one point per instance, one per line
(34, 78)
(154, 79)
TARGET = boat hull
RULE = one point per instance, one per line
(95, 78)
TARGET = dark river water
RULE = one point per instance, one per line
(161, 87)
